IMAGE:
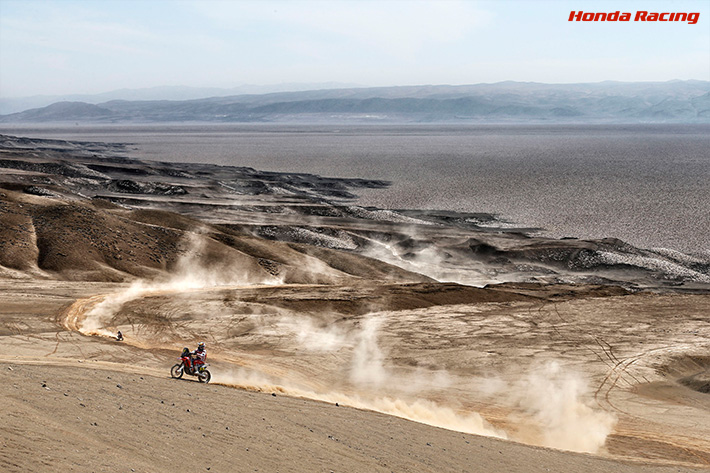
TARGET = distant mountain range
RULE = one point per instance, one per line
(20, 104)
(616, 102)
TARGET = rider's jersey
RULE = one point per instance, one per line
(200, 355)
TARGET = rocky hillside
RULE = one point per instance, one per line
(87, 211)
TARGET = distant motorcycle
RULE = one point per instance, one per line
(187, 365)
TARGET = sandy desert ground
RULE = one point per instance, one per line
(332, 343)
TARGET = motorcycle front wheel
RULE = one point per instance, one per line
(204, 376)
(176, 371)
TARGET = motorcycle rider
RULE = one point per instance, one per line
(198, 357)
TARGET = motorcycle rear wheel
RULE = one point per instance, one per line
(205, 376)
(177, 371)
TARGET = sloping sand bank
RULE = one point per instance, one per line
(485, 366)
(92, 418)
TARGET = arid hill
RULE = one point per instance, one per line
(96, 241)
(87, 211)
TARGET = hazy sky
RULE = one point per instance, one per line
(91, 46)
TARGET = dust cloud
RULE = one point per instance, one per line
(429, 261)
(548, 402)
(367, 368)
(418, 410)
(553, 397)
(191, 273)
(550, 406)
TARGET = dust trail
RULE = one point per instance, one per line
(551, 411)
(550, 404)
(418, 410)
(191, 273)
(366, 381)
(551, 399)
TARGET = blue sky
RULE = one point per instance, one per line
(64, 46)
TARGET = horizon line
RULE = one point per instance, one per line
(344, 87)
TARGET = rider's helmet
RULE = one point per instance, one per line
(201, 346)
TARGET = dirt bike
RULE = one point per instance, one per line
(186, 365)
